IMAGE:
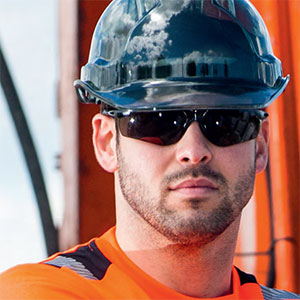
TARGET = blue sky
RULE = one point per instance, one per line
(29, 40)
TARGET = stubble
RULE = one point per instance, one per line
(199, 226)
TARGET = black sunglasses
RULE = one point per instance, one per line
(221, 127)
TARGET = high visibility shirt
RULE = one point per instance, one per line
(99, 269)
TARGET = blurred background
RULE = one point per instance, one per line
(29, 41)
(45, 42)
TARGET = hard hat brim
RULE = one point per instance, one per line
(171, 95)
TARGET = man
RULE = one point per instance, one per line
(182, 86)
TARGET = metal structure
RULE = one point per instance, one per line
(30, 155)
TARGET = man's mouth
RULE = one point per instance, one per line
(194, 187)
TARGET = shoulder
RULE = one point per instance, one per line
(25, 273)
(41, 281)
(267, 292)
(275, 294)
(65, 275)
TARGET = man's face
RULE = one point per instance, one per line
(190, 191)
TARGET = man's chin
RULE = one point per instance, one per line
(192, 234)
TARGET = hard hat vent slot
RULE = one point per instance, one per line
(191, 69)
(164, 71)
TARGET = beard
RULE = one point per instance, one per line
(196, 225)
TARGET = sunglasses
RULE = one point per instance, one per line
(221, 127)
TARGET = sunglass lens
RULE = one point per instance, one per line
(229, 127)
(161, 128)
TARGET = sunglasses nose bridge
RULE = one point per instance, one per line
(194, 116)
(191, 116)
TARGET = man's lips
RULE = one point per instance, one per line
(201, 183)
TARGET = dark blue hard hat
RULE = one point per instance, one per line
(181, 54)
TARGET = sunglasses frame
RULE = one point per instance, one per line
(191, 115)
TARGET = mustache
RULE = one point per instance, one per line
(194, 172)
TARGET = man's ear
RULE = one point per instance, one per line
(104, 142)
(262, 146)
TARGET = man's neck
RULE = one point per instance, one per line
(209, 266)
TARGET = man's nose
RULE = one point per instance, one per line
(193, 148)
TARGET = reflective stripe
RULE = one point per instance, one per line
(76, 266)
(86, 260)
(274, 294)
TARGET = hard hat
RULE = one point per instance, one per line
(181, 54)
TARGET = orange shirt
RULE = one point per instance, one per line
(99, 269)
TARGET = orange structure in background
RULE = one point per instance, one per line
(268, 244)
(275, 259)
(89, 196)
